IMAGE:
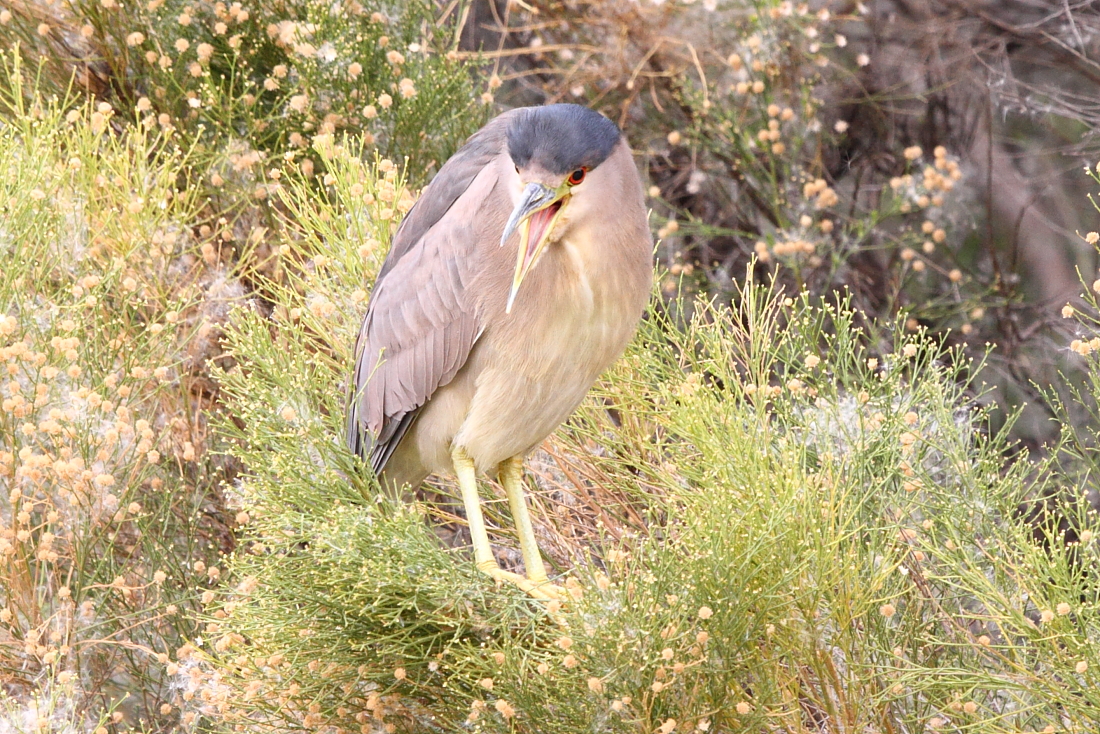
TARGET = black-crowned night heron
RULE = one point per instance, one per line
(518, 277)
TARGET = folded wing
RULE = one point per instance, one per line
(421, 323)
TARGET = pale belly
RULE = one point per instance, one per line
(543, 380)
(525, 375)
(515, 390)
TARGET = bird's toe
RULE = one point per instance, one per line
(548, 591)
(542, 590)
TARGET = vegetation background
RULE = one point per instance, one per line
(842, 481)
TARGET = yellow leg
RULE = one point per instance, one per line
(467, 482)
(483, 552)
(510, 473)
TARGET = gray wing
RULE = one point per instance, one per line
(420, 323)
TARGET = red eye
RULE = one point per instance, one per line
(576, 176)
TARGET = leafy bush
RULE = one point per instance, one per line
(105, 522)
(259, 82)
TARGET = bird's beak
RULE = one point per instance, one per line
(535, 216)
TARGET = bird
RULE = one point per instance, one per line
(518, 276)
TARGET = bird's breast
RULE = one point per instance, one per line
(584, 310)
(536, 364)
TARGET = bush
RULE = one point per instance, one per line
(260, 82)
(106, 511)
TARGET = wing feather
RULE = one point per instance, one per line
(421, 323)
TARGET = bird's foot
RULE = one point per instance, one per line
(539, 589)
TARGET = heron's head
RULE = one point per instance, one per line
(555, 149)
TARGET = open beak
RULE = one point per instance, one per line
(535, 216)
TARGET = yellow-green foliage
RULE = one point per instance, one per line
(265, 77)
(102, 534)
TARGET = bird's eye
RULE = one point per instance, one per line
(576, 176)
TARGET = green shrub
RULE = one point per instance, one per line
(260, 81)
(105, 523)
